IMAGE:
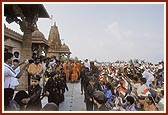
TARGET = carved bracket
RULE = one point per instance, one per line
(27, 22)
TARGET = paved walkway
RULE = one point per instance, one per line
(74, 101)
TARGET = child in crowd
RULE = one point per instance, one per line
(34, 91)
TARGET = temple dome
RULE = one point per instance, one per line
(37, 34)
(64, 47)
(38, 37)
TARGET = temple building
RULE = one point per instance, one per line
(32, 40)
(56, 47)
(51, 47)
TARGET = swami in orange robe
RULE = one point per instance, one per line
(75, 73)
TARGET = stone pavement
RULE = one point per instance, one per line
(74, 101)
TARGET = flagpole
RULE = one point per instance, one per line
(51, 19)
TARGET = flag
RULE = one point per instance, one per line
(145, 92)
(126, 85)
(122, 92)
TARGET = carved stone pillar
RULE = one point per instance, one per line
(26, 15)
(27, 25)
(26, 53)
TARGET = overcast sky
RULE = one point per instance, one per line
(109, 32)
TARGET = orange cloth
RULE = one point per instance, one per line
(58, 68)
(66, 70)
(78, 65)
(35, 69)
(145, 91)
(121, 89)
(75, 73)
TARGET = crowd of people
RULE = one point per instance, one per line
(126, 86)
(115, 86)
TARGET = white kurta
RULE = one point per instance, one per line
(149, 77)
(141, 88)
(9, 77)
